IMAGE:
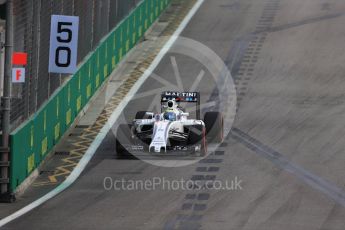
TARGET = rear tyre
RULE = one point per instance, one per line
(123, 137)
(142, 115)
(214, 124)
(197, 136)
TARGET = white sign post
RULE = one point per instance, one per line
(18, 75)
(63, 44)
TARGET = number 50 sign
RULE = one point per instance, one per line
(63, 44)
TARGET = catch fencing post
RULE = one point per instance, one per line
(5, 193)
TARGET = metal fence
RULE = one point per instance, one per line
(31, 35)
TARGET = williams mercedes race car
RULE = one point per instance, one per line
(171, 130)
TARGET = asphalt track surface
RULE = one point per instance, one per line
(286, 145)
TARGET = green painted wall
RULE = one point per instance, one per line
(33, 140)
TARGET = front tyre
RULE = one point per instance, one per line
(123, 138)
(214, 124)
(197, 136)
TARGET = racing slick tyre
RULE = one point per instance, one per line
(214, 127)
(197, 135)
(123, 137)
(142, 115)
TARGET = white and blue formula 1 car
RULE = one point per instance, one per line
(171, 130)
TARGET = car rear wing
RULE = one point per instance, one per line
(188, 97)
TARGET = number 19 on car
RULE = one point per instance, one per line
(63, 44)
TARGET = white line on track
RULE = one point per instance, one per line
(101, 135)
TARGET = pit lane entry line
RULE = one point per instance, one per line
(327, 188)
(114, 116)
